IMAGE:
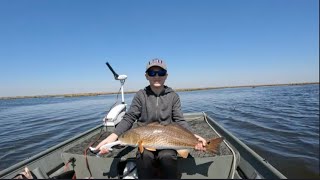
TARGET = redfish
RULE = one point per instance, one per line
(156, 136)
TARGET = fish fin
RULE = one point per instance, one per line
(213, 144)
(140, 146)
(183, 153)
(151, 149)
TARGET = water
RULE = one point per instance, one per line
(281, 123)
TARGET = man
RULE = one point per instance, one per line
(155, 102)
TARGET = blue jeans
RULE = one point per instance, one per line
(150, 162)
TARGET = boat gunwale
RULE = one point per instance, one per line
(265, 169)
(48, 151)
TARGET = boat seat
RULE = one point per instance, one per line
(39, 174)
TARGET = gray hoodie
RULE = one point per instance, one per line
(147, 107)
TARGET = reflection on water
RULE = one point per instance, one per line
(281, 123)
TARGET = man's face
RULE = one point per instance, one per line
(156, 81)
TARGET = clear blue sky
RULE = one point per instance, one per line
(61, 46)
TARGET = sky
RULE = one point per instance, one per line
(60, 47)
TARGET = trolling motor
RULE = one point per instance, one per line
(117, 112)
(114, 116)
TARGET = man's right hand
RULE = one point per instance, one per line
(94, 150)
(101, 150)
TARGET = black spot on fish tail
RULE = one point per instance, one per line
(213, 144)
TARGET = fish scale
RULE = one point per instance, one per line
(159, 136)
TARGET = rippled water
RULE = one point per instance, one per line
(281, 123)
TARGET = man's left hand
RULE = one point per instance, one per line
(202, 143)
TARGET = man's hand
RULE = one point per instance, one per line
(111, 138)
(202, 143)
(103, 151)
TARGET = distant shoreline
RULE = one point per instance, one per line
(177, 90)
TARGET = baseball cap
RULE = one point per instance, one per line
(156, 62)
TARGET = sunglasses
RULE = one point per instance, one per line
(152, 73)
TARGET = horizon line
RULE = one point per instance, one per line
(129, 92)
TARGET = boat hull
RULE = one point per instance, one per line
(234, 159)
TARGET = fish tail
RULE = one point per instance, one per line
(213, 144)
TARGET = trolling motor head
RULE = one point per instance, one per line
(116, 76)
